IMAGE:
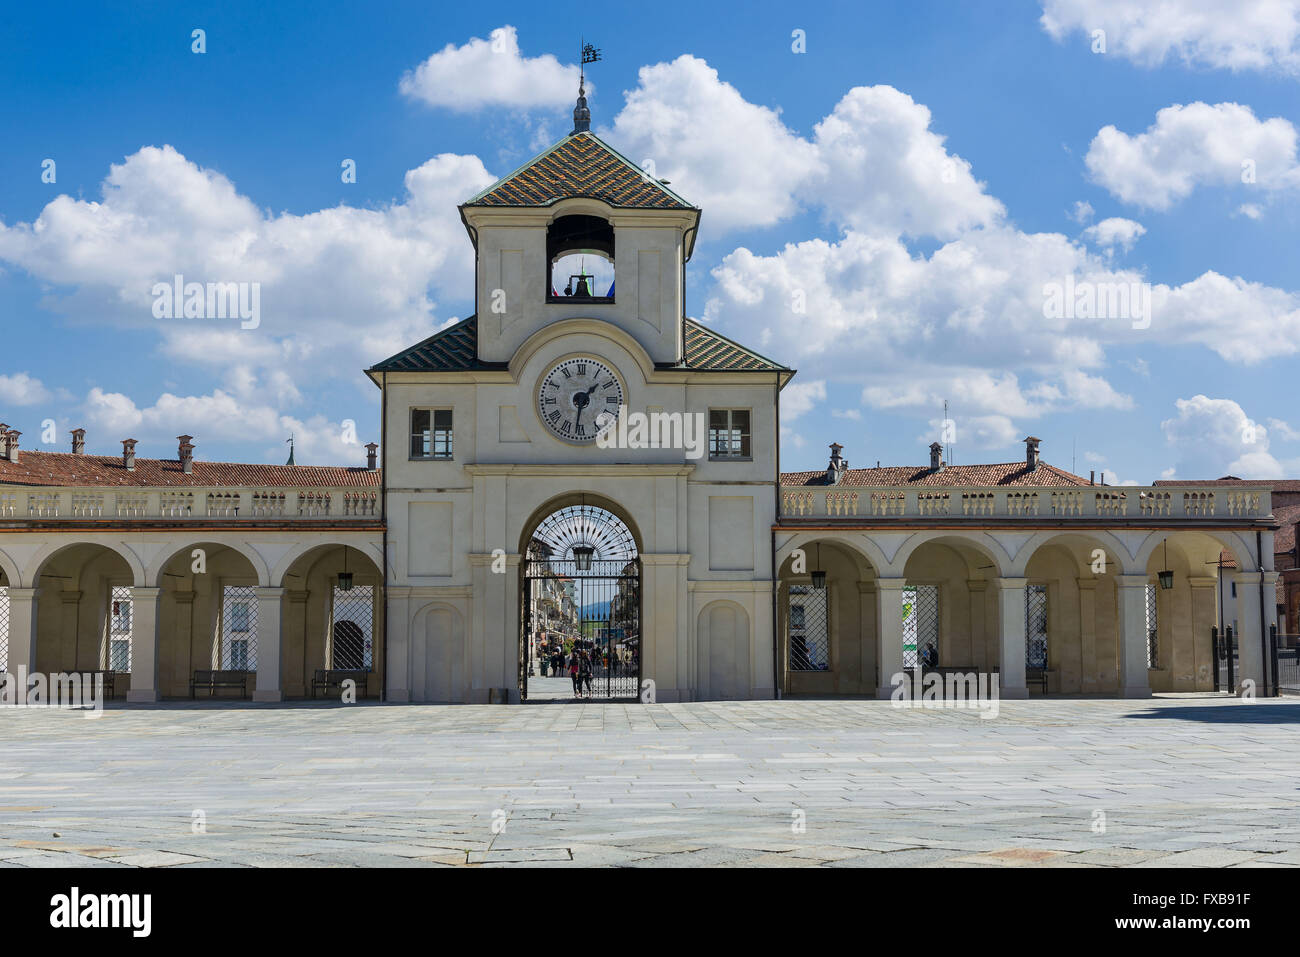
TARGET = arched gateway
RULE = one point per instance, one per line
(581, 594)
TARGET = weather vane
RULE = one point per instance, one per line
(589, 55)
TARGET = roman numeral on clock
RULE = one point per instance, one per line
(554, 416)
(581, 368)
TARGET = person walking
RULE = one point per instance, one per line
(574, 665)
(584, 671)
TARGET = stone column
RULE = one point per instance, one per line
(69, 658)
(269, 644)
(867, 599)
(1201, 648)
(1087, 635)
(1253, 663)
(293, 646)
(1270, 619)
(976, 657)
(144, 644)
(1011, 635)
(22, 629)
(183, 640)
(399, 644)
(889, 632)
(1132, 600)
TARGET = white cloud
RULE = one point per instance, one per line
(1283, 430)
(800, 397)
(1215, 437)
(340, 288)
(1082, 211)
(1195, 145)
(1230, 34)
(491, 72)
(1115, 232)
(22, 389)
(733, 158)
(873, 164)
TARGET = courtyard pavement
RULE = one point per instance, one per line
(1196, 781)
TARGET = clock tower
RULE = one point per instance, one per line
(515, 538)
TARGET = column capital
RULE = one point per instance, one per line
(1009, 583)
(1246, 578)
(269, 591)
(1132, 581)
(891, 584)
(977, 584)
(1087, 584)
(23, 594)
(296, 595)
(146, 593)
(70, 597)
(487, 558)
(1202, 581)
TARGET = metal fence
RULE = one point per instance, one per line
(120, 620)
(1153, 630)
(1288, 663)
(239, 628)
(1036, 626)
(920, 624)
(352, 630)
(4, 628)
(809, 629)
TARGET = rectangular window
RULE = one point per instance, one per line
(729, 436)
(119, 629)
(431, 434)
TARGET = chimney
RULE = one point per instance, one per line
(1031, 452)
(837, 466)
(186, 452)
(936, 457)
(128, 454)
(78, 441)
(1092, 476)
(372, 449)
(11, 445)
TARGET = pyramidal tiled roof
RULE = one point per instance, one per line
(706, 349)
(581, 164)
(455, 349)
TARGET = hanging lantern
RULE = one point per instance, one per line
(1166, 577)
(818, 576)
(345, 576)
(582, 557)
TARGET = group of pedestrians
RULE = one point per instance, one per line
(579, 664)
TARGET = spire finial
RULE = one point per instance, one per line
(582, 115)
(289, 440)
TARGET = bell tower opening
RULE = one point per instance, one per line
(580, 256)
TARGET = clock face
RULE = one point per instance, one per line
(574, 394)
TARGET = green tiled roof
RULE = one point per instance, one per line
(455, 349)
(581, 164)
(706, 349)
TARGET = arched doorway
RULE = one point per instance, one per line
(581, 594)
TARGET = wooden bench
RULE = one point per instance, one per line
(1037, 676)
(327, 679)
(110, 679)
(212, 680)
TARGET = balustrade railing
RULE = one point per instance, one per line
(81, 504)
(1106, 503)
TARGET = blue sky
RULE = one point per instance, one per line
(913, 178)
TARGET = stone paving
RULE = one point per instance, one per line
(1196, 781)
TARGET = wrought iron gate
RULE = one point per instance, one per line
(592, 614)
(580, 604)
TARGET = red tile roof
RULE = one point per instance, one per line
(1009, 473)
(1284, 537)
(1278, 485)
(64, 468)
